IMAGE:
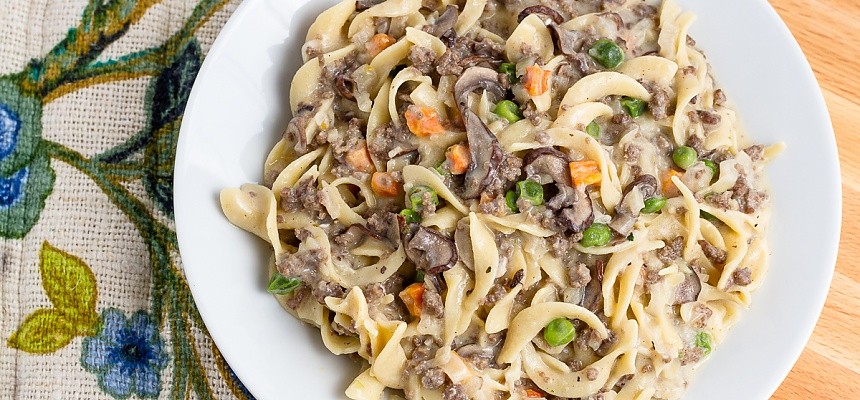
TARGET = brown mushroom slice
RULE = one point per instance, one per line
(445, 22)
(546, 165)
(485, 149)
(343, 84)
(592, 298)
(565, 198)
(647, 185)
(581, 215)
(474, 78)
(295, 131)
(431, 251)
(463, 242)
(486, 154)
(567, 41)
(543, 10)
(625, 214)
(688, 290)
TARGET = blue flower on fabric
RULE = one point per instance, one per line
(127, 355)
(12, 188)
(10, 125)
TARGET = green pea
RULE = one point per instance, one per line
(708, 216)
(634, 107)
(412, 216)
(510, 70)
(713, 167)
(607, 53)
(511, 200)
(685, 157)
(593, 129)
(653, 204)
(596, 235)
(508, 110)
(559, 332)
(631, 238)
(531, 191)
(280, 284)
(416, 197)
(703, 341)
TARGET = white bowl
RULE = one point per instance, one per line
(239, 107)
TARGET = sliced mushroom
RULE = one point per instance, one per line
(486, 152)
(647, 185)
(565, 198)
(546, 165)
(543, 10)
(592, 299)
(568, 42)
(643, 187)
(688, 290)
(473, 79)
(445, 22)
(484, 148)
(581, 215)
(298, 125)
(343, 84)
(464, 243)
(431, 251)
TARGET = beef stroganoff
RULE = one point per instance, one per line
(492, 199)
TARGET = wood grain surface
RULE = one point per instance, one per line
(827, 31)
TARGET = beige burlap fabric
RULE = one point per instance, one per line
(94, 304)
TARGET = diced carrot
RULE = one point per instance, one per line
(379, 42)
(384, 184)
(359, 158)
(536, 80)
(669, 188)
(458, 158)
(533, 394)
(585, 172)
(413, 297)
(423, 121)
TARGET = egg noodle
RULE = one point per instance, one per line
(492, 199)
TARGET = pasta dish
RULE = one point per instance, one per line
(493, 199)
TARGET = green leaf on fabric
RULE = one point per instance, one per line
(69, 284)
(44, 331)
(166, 98)
(23, 194)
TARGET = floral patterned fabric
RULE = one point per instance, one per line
(94, 301)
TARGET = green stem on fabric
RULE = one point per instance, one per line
(148, 62)
(125, 171)
(102, 23)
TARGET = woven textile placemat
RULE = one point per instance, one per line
(94, 301)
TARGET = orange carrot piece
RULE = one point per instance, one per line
(423, 121)
(384, 184)
(585, 172)
(533, 394)
(359, 158)
(413, 297)
(458, 158)
(669, 188)
(379, 42)
(536, 80)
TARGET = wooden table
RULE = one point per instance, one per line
(827, 30)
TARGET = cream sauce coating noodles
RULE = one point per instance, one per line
(489, 199)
